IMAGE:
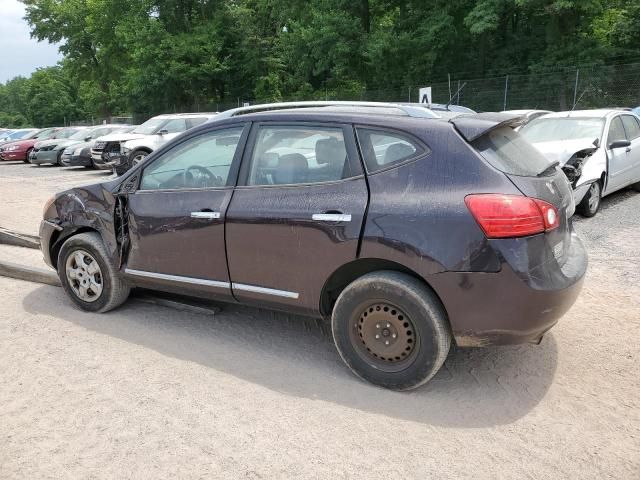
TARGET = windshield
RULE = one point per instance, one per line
(559, 129)
(66, 133)
(150, 126)
(80, 135)
(507, 150)
(20, 134)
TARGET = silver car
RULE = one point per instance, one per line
(599, 151)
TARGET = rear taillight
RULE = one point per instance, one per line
(507, 216)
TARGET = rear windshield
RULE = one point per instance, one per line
(506, 150)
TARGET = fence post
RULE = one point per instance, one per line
(409, 94)
(449, 77)
(575, 89)
(458, 94)
(506, 90)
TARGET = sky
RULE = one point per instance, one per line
(19, 53)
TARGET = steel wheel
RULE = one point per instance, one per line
(138, 158)
(385, 337)
(84, 276)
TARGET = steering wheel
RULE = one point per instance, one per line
(200, 177)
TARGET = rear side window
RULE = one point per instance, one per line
(382, 148)
(285, 155)
(509, 152)
(631, 127)
(194, 122)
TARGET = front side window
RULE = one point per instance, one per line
(200, 162)
(382, 149)
(631, 126)
(288, 155)
(616, 130)
(176, 125)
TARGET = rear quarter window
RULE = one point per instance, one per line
(383, 148)
(509, 152)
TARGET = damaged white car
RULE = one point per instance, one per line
(598, 150)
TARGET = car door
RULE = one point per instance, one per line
(618, 158)
(177, 215)
(296, 215)
(632, 129)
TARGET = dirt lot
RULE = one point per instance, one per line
(148, 392)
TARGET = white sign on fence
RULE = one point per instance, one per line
(425, 95)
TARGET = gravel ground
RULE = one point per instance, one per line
(148, 392)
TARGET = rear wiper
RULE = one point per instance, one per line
(548, 169)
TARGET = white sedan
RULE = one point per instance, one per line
(599, 151)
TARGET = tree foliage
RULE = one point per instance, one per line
(151, 56)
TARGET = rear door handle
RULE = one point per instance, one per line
(206, 215)
(331, 217)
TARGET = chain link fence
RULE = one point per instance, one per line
(583, 87)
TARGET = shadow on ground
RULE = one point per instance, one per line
(295, 356)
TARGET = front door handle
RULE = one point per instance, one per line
(331, 217)
(206, 215)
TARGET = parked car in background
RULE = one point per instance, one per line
(21, 149)
(79, 154)
(121, 151)
(599, 151)
(527, 115)
(5, 132)
(50, 151)
(307, 212)
(636, 111)
(19, 134)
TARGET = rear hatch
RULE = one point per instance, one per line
(534, 175)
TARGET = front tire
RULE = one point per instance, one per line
(136, 157)
(88, 276)
(391, 330)
(26, 158)
(590, 204)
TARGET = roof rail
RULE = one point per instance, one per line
(408, 110)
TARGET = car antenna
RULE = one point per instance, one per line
(454, 95)
(579, 98)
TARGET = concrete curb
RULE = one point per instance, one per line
(49, 277)
(30, 274)
(8, 237)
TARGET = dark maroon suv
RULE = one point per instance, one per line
(408, 233)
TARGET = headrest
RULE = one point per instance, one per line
(292, 168)
(398, 151)
(330, 150)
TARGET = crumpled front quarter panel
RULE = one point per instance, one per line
(90, 206)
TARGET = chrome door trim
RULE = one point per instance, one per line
(206, 215)
(331, 217)
(264, 290)
(177, 278)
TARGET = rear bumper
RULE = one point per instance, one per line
(518, 304)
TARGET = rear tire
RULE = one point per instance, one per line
(95, 287)
(391, 330)
(590, 204)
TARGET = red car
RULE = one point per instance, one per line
(20, 149)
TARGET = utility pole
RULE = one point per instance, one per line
(506, 89)
(575, 89)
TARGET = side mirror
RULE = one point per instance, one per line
(86, 139)
(163, 132)
(619, 144)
